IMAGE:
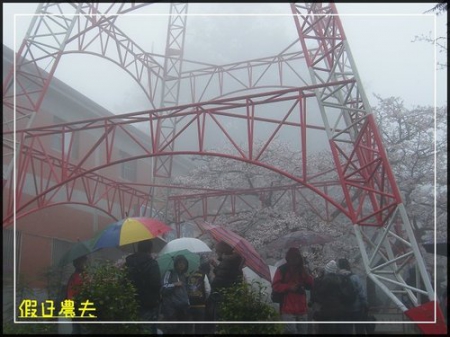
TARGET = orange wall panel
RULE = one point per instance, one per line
(31, 268)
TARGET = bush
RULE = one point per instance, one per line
(242, 302)
(23, 291)
(11, 328)
(113, 295)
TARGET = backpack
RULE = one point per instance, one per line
(277, 297)
(196, 288)
(327, 293)
(348, 290)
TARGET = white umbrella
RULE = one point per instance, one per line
(251, 277)
(280, 262)
(194, 245)
(272, 269)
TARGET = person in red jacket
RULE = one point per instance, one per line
(75, 280)
(73, 288)
(291, 279)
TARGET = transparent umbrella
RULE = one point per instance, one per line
(300, 238)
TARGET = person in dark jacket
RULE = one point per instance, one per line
(144, 273)
(326, 293)
(313, 304)
(358, 310)
(292, 279)
(227, 272)
(229, 269)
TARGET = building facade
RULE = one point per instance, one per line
(42, 236)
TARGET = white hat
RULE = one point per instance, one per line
(331, 267)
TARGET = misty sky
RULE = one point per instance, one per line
(380, 38)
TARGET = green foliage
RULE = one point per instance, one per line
(23, 286)
(242, 302)
(113, 295)
(11, 328)
(23, 290)
(54, 281)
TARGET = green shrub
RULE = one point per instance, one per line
(112, 295)
(23, 291)
(242, 302)
(11, 328)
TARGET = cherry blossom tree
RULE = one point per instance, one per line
(439, 42)
(411, 140)
(416, 144)
(272, 217)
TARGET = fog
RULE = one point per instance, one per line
(380, 38)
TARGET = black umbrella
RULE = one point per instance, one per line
(441, 248)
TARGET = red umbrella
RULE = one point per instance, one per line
(252, 259)
(300, 238)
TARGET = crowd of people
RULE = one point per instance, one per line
(196, 297)
(336, 294)
(339, 296)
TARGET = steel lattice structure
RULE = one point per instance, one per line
(315, 76)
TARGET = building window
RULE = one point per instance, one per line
(128, 168)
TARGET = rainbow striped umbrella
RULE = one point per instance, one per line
(129, 230)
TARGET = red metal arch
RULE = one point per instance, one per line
(127, 197)
(186, 206)
(139, 80)
(24, 214)
(250, 110)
